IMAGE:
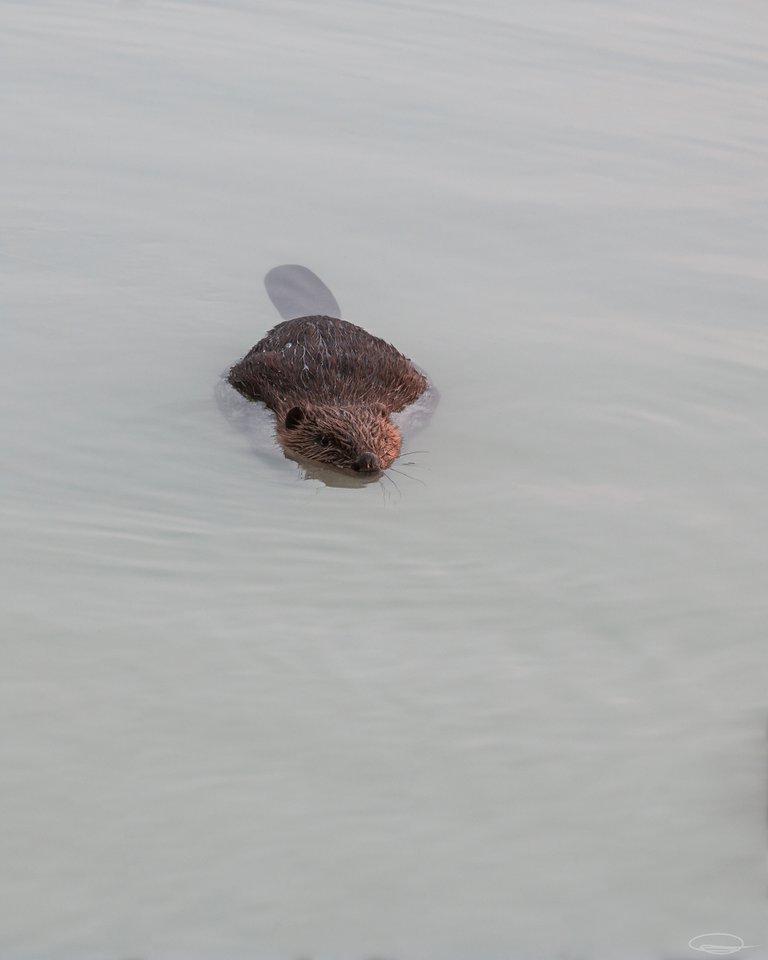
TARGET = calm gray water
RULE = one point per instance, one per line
(518, 708)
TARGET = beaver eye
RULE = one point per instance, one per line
(324, 440)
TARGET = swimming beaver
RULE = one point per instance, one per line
(332, 386)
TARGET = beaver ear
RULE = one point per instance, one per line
(293, 418)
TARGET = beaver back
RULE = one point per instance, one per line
(322, 360)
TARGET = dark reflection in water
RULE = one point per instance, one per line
(331, 476)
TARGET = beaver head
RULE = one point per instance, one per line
(360, 438)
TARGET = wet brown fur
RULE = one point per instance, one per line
(332, 386)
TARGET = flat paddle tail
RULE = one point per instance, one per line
(297, 292)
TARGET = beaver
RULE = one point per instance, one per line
(332, 386)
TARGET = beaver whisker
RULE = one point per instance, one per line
(386, 476)
(402, 473)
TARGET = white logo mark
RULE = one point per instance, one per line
(719, 944)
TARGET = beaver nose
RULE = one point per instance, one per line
(366, 463)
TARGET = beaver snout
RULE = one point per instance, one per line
(367, 463)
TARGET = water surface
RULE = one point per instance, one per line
(516, 709)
